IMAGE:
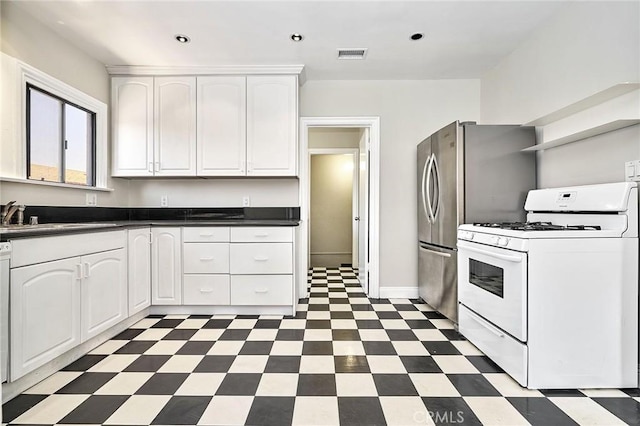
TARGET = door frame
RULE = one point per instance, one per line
(373, 124)
(355, 209)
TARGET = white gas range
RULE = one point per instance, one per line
(554, 301)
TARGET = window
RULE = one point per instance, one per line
(61, 139)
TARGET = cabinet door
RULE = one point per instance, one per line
(221, 126)
(132, 126)
(272, 123)
(166, 264)
(104, 291)
(139, 267)
(45, 313)
(175, 126)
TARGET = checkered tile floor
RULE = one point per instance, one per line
(344, 359)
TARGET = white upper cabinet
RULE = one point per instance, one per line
(175, 126)
(221, 126)
(132, 126)
(272, 125)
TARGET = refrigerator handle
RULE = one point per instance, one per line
(436, 169)
(424, 187)
(430, 215)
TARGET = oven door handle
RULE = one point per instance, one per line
(437, 253)
(508, 258)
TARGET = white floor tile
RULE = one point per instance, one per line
(340, 307)
(343, 324)
(263, 334)
(201, 384)
(145, 323)
(283, 347)
(207, 334)
(318, 315)
(293, 324)
(586, 411)
(466, 348)
(249, 364)
(410, 348)
(317, 364)
(54, 382)
(405, 410)
(51, 410)
(192, 324)
(427, 335)
(226, 347)
(316, 411)
(165, 347)
(365, 315)
(509, 387)
(604, 393)
(412, 315)
(227, 410)
(442, 324)
(153, 334)
(318, 300)
(455, 364)
(374, 335)
(113, 363)
(385, 364)
(355, 384)
(433, 384)
(394, 324)
(181, 364)
(347, 347)
(108, 347)
(138, 410)
(495, 411)
(245, 324)
(317, 335)
(383, 307)
(278, 384)
(124, 384)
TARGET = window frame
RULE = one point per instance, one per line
(30, 76)
(91, 168)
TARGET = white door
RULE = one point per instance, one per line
(132, 126)
(222, 121)
(166, 266)
(45, 313)
(104, 291)
(355, 195)
(272, 125)
(175, 126)
(363, 211)
(139, 269)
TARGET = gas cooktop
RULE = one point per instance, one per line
(538, 226)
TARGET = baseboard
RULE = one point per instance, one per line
(398, 292)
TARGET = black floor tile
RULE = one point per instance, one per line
(87, 383)
(271, 411)
(541, 412)
(162, 384)
(19, 405)
(434, 315)
(317, 348)
(338, 300)
(345, 335)
(290, 334)
(379, 348)
(360, 411)
(449, 411)
(180, 334)
(420, 324)
(147, 363)
(129, 334)
(484, 364)
(136, 347)
(369, 324)
(420, 364)
(95, 409)
(217, 323)
(256, 348)
(401, 335)
(404, 307)
(318, 324)
(341, 315)
(388, 315)
(182, 410)
(394, 385)
(235, 334)
(472, 385)
(633, 392)
(441, 348)
(215, 364)
(452, 334)
(550, 393)
(316, 385)
(283, 364)
(379, 301)
(351, 364)
(239, 384)
(195, 348)
(200, 317)
(315, 307)
(84, 363)
(626, 409)
(358, 307)
(167, 323)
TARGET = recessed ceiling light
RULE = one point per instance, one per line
(297, 37)
(416, 36)
(182, 38)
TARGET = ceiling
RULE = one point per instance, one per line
(462, 39)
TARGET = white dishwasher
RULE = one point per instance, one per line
(5, 256)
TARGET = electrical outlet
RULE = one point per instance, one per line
(632, 171)
(246, 201)
(92, 199)
(164, 201)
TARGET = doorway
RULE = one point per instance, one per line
(365, 242)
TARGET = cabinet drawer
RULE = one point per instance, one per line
(261, 289)
(268, 258)
(205, 235)
(206, 290)
(206, 258)
(262, 234)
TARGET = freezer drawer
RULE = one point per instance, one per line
(437, 279)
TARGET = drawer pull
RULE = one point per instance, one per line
(206, 290)
(206, 259)
(262, 235)
(261, 290)
(206, 235)
(260, 258)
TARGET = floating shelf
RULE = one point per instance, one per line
(588, 102)
(594, 131)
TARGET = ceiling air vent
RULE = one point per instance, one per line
(352, 53)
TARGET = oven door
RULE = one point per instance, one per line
(493, 283)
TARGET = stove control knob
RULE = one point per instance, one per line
(466, 235)
(503, 241)
(495, 241)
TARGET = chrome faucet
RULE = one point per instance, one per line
(8, 211)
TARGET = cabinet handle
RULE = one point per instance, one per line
(150, 167)
(249, 168)
(207, 235)
(242, 167)
(261, 290)
(150, 238)
(79, 271)
(260, 258)
(87, 269)
(206, 290)
(266, 234)
(206, 259)
(157, 168)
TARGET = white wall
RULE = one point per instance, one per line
(24, 38)
(584, 49)
(408, 111)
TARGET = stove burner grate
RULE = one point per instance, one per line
(538, 226)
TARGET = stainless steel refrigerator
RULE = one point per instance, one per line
(467, 173)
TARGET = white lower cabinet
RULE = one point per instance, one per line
(206, 289)
(139, 266)
(261, 290)
(166, 261)
(104, 292)
(45, 313)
